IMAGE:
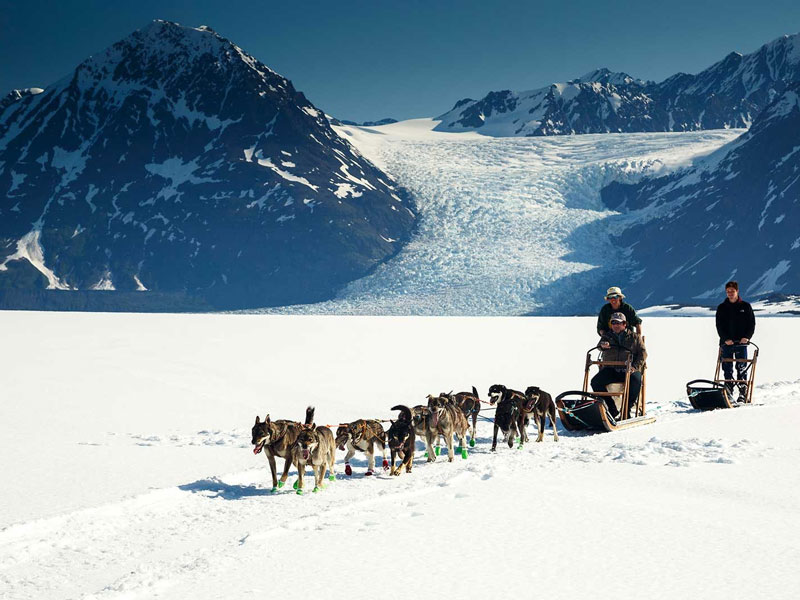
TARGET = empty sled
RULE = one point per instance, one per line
(705, 394)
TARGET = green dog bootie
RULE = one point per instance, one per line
(315, 490)
(299, 492)
(472, 443)
(332, 477)
(281, 483)
(437, 450)
(464, 453)
(294, 485)
(273, 490)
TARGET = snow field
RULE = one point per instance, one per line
(130, 474)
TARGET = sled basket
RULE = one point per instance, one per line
(705, 394)
(584, 410)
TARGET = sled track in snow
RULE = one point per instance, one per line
(211, 525)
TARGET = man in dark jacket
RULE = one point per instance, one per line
(736, 324)
(616, 345)
(615, 304)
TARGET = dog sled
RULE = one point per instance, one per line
(587, 410)
(711, 394)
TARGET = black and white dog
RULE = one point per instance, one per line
(509, 417)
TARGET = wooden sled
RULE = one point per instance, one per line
(583, 409)
(706, 394)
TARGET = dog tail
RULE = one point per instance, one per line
(310, 415)
(475, 392)
(405, 412)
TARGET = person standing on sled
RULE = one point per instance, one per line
(615, 304)
(616, 344)
(736, 324)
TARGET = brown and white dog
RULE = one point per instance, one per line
(277, 438)
(363, 435)
(510, 416)
(445, 419)
(541, 404)
(401, 439)
(470, 405)
(315, 448)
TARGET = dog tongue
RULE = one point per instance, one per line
(257, 449)
(305, 454)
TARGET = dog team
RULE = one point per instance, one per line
(446, 416)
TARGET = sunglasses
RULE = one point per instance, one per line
(618, 322)
(612, 297)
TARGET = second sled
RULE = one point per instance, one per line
(587, 410)
(710, 394)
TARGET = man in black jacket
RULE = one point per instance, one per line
(735, 326)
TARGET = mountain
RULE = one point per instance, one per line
(386, 121)
(729, 94)
(174, 162)
(732, 216)
(15, 95)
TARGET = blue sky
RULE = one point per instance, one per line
(365, 60)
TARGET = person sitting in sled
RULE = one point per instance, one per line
(615, 304)
(736, 324)
(615, 346)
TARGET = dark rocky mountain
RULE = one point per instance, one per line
(176, 163)
(734, 215)
(15, 95)
(730, 93)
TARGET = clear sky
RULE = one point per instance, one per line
(370, 59)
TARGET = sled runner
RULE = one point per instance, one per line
(588, 410)
(705, 394)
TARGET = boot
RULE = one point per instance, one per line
(729, 389)
(742, 392)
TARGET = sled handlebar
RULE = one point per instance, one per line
(749, 343)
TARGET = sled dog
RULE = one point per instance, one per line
(445, 419)
(470, 405)
(509, 416)
(315, 448)
(541, 404)
(363, 435)
(276, 438)
(401, 439)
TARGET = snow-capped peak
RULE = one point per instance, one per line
(178, 148)
(604, 75)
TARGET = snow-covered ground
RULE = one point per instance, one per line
(508, 226)
(128, 473)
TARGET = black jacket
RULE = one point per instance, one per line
(735, 320)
